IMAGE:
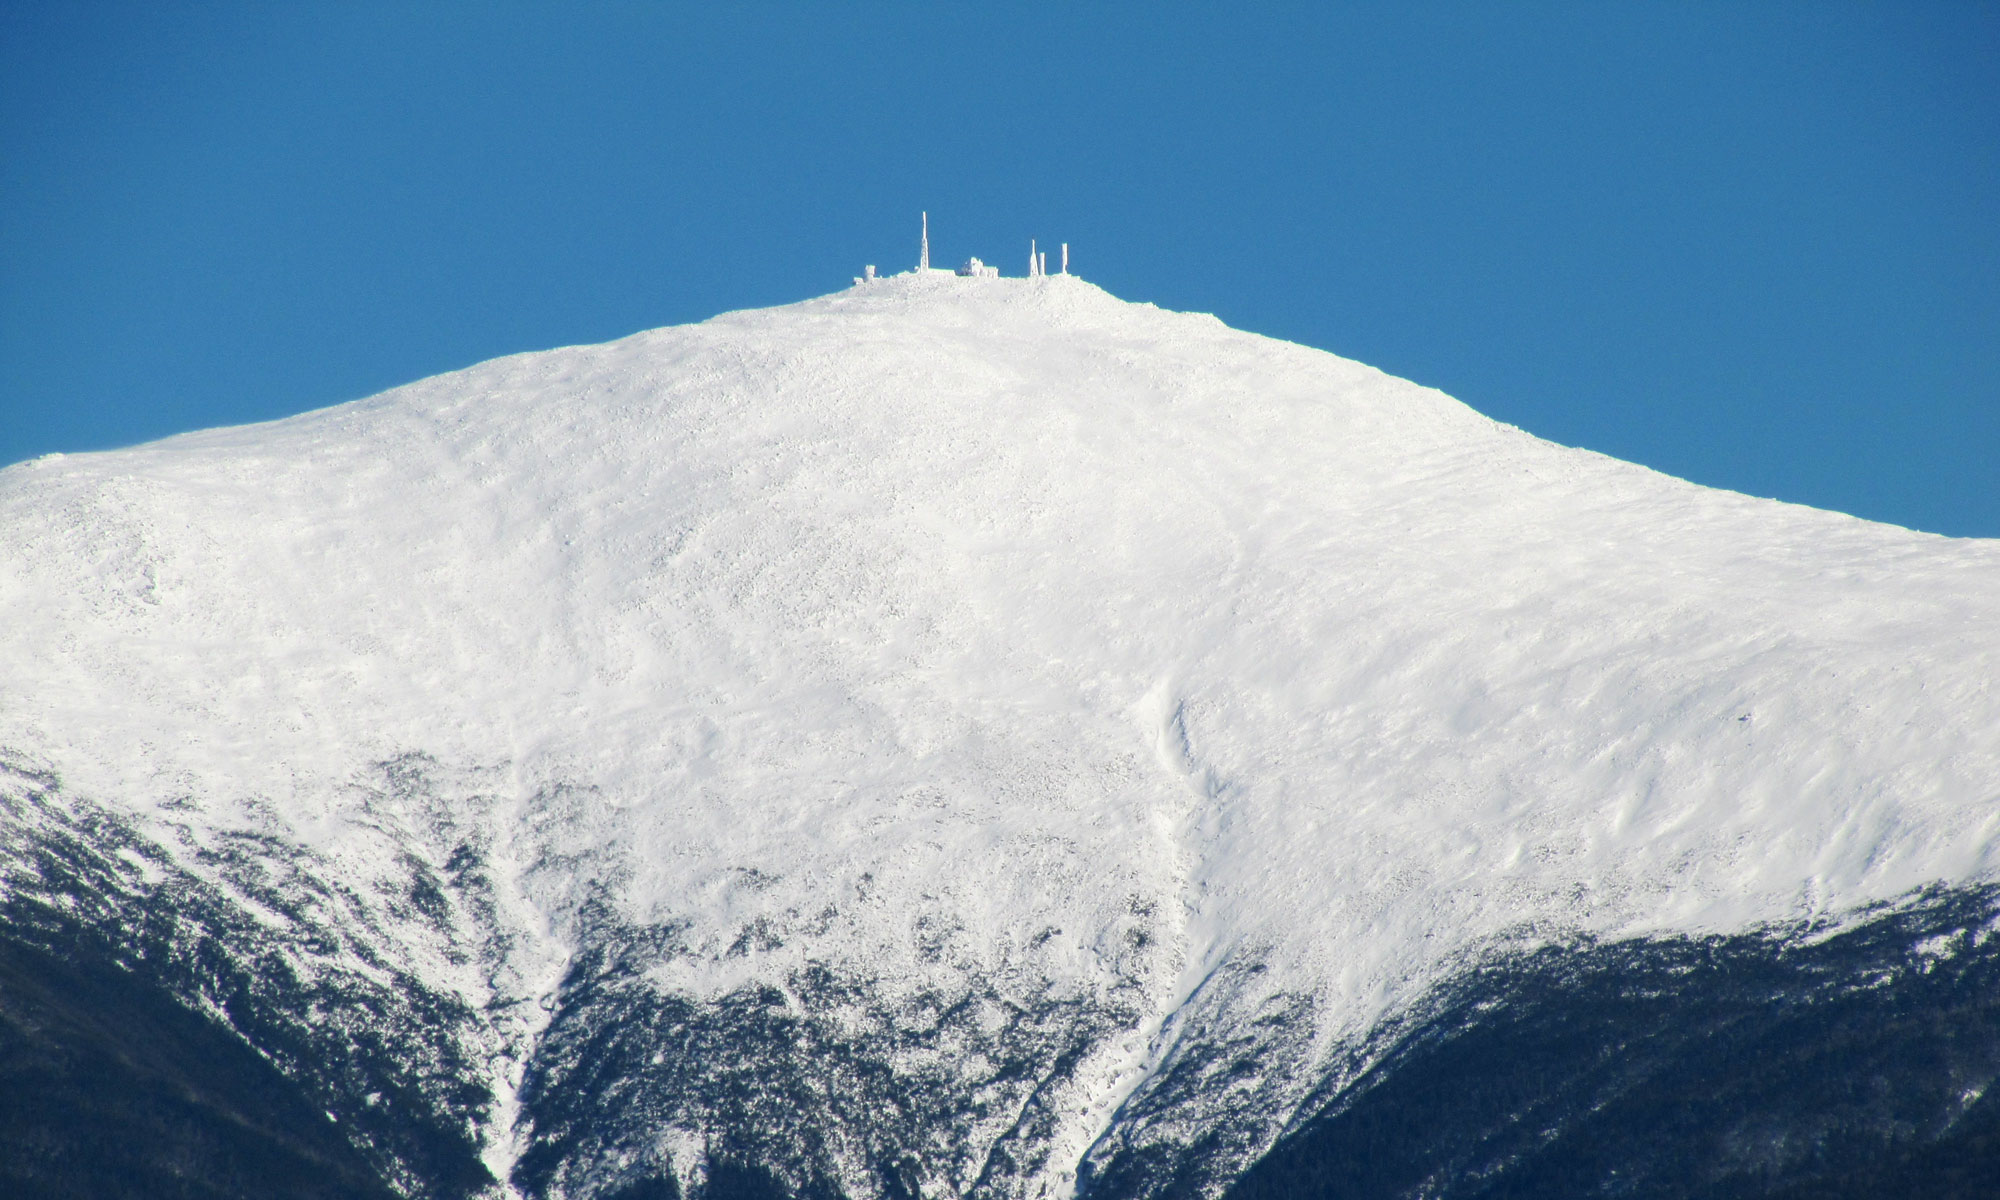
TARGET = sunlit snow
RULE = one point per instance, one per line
(1110, 641)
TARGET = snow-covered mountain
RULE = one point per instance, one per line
(980, 737)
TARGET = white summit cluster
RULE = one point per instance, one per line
(973, 268)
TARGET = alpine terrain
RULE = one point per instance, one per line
(976, 737)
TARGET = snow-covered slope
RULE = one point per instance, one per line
(1019, 692)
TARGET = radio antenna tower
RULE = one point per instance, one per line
(924, 247)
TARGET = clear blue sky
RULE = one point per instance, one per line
(1757, 246)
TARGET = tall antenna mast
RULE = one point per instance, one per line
(924, 253)
(1032, 271)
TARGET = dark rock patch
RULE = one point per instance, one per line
(1853, 1065)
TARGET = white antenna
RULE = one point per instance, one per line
(1065, 269)
(1042, 264)
(1032, 272)
(924, 254)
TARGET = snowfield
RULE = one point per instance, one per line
(998, 644)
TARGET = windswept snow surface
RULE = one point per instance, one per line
(992, 643)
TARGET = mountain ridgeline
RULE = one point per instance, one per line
(976, 737)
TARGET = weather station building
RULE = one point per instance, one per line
(973, 268)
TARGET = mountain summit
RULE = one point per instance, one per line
(979, 737)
